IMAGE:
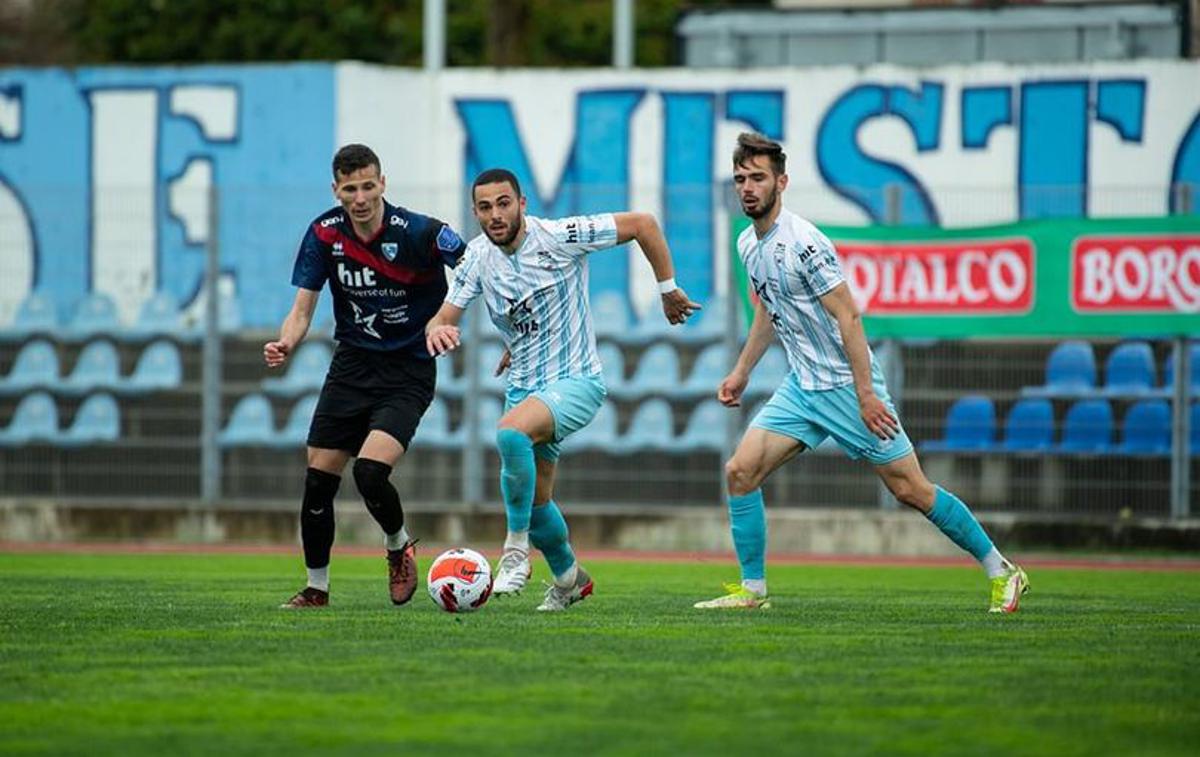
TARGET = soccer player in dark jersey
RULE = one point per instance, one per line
(384, 266)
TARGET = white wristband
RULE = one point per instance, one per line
(666, 286)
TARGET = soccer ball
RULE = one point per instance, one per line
(460, 580)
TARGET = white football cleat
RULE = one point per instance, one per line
(560, 598)
(512, 572)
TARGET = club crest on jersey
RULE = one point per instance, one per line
(390, 250)
(448, 240)
(337, 250)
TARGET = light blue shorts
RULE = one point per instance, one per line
(812, 416)
(572, 401)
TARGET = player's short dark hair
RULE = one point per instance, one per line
(496, 176)
(751, 144)
(354, 157)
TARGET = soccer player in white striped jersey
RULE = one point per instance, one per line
(533, 276)
(834, 389)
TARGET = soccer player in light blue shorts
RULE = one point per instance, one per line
(835, 388)
(532, 274)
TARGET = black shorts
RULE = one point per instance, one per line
(367, 390)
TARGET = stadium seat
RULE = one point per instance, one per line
(1147, 429)
(252, 423)
(612, 360)
(1129, 370)
(970, 426)
(710, 367)
(1195, 424)
(450, 382)
(36, 315)
(95, 315)
(159, 316)
(98, 367)
(1087, 428)
(705, 430)
(305, 371)
(98, 420)
(1029, 426)
(651, 429)
(36, 366)
(295, 431)
(34, 420)
(706, 326)
(159, 367)
(1070, 372)
(600, 434)
(489, 358)
(1193, 351)
(657, 373)
(434, 429)
(770, 372)
(610, 314)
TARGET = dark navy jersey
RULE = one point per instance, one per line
(385, 289)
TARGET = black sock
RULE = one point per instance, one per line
(383, 502)
(316, 516)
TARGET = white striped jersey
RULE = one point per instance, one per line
(538, 295)
(791, 268)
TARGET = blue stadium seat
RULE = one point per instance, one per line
(34, 420)
(710, 367)
(252, 423)
(657, 373)
(652, 327)
(98, 420)
(970, 426)
(651, 429)
(612, 360)
(1195, 424)
(610, 315)
(1147, 429)
(706, 326)
(305, 371)
(1029, 426)
(1193, 351)
(36, 366)
(489, 358)
(95, 315)
(770, 372)
(600, 434)
(1070, 372)
(705, 430)
(159, 316)
(1087, 428)
(98, 367)
(159, 367)
(295, 431)
(1129, 370)
(35, 315)
(450, 382)
(434, 429)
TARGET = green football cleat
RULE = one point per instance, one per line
(738, 598)
(1007, 590)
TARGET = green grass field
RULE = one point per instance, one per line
(187, 653)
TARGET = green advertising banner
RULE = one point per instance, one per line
(1053, 278)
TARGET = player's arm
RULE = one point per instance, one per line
(442, 333)
(644, 229)
(875, 415)
(729, 392)
(294, 327)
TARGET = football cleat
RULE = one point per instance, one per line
(402, 572)
(738, 598)
(1007, 590)
(512, 572)
(558, 598)
(307, 597)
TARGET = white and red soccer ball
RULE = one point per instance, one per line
(460, 580)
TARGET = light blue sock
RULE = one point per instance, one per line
(518, 475)
(955, 520)
(748, 521)
(548, 533)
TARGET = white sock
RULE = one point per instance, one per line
(398, 539)
(517, 540)
(756, 585)
(318, 578)
(994, 563)
(568, 578)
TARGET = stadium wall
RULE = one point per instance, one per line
(107, 174)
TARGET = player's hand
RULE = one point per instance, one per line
(729, 391)
(505, 361)
(442, 339)
(677, 307)
(276, 353)
(878, 419)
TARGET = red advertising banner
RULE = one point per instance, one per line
(1142, 274)
(964, 277)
